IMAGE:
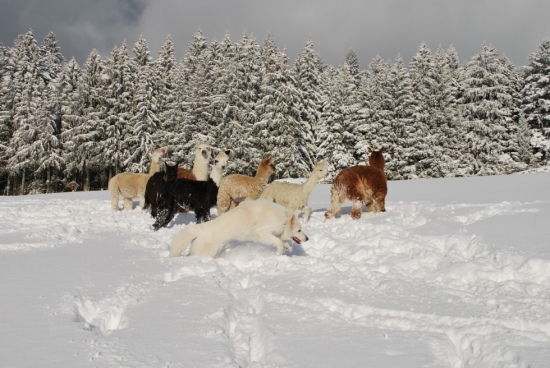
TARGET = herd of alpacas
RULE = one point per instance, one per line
(248, 207)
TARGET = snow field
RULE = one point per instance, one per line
(428, 283)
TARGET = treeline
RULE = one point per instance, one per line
(435, 117)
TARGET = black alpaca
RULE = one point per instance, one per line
(151, 190)
(191, 195)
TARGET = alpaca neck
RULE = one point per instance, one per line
(216, 175)
(262, 174)
(155, 167)
(310, 182)
(200, 168)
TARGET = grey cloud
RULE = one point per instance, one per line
(371, 28)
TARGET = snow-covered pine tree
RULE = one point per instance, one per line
(6, 77)
(243, 87)
(83, 123)
(307, 70)
(337, 137)
(47, 145)
(489, 103)
(536, 100)
(420, 140)
(440, 104)
(168, 97)
(118, 89)
(352, 62)
(144, 122)
(277, 130)
(197, 91)
(28, 88)
(227, 103)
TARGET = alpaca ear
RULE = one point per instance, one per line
(381, 150)
(371, 150)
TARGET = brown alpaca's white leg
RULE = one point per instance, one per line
(370, 206)
(127, 204)
(335, 204)
(305, 216)
(381, 203)
(356, 209)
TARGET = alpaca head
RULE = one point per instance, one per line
(203, 151)
(266, 166)
(171, 171)
(376, 158)
(220, 161)
(156, 154)
(320, 170)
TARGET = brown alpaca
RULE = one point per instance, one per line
(236, 188)
(132, 185)
(200, 164)
(360, 184)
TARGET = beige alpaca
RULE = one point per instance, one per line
(200, 164)
(295, 196)
(132, 185)
(236, 188)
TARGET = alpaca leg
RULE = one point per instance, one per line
(142, 202)
(232, 204)
(223, 204)
(380, 203)
(335, 204)
(114, 202)
(128, 204)
(305, 216)
(356, 209)
(370, 206)
(203, 215)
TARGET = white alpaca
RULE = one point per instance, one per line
(295, 196)
(220, 163)
(132, 185)
(200, 164)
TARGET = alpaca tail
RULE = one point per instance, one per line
(182, 240)
(113, 188)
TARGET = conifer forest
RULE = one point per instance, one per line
(434, 115)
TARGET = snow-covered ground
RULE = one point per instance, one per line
(456, 273)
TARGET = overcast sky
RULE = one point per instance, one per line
(370, 28)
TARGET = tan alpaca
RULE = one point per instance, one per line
(295, 196)
(132, 185)
(236, 188)
(360, 184)
(200, 164)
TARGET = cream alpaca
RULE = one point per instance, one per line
(200, 164)
(132, 185)
(295, 196)
(236, 188)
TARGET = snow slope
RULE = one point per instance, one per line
(456, 273)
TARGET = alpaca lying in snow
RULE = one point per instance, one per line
(151, 190)
(360, 184)
(200, 164)
(132, 185)
(236, 188)
(192, 195)
(295, 196)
